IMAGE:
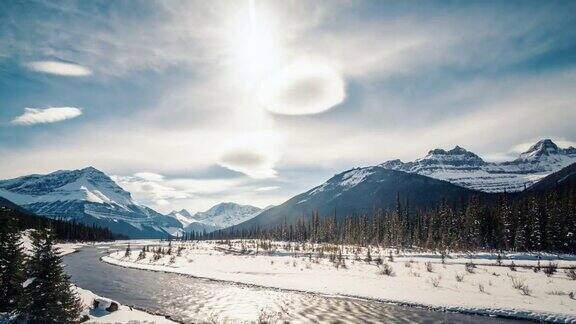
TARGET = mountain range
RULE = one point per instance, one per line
(92, 197)
(222, 215)
(217, 217)
(453, 174)
(467, 169)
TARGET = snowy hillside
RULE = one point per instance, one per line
(88, 196)
(467, 169)
(219, 216)
(359, 191)
(227, 214)
(183, 216)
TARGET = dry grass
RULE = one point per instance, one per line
(435, 281)
(521, 286)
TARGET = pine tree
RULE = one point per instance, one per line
(48, 297)
(520, 240)
(472, 223)
(12, 271)
(554, 227)
(534, 219)
(506, 220)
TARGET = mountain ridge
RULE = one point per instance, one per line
(469, 170)
(221, 215)
(360, 191)
(89, 196)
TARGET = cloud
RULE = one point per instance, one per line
(33, 116)
(59, 68)
(150, 176)
(411, 80)
(304, 87)
(193, 194)
(254, 164)
(270, 188)
(156, 191)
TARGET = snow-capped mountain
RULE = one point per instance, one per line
(226, 214)
(467, 169)
(360, 191)
(452, 174)
(183, 216)
(217, 217)
(88, 196)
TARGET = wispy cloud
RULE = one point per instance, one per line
(59, 68)
(267, 188)
(33, 116)
(150, 176)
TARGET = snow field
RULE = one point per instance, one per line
(464, 282)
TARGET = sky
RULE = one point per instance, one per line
(190, 103)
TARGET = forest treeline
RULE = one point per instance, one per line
(532, 221)
(61, 229)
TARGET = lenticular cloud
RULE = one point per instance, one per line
(33, 116)
(59, 68)
(305, 87)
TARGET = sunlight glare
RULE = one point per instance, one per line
(257, 47)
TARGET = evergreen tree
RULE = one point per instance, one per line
(48, 297)
(520, 240)
(12, 271)
(535, 223)
(554, 226)
(506, 223)
(472, 223)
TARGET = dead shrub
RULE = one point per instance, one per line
(571, 272)
(386, 270)
(459, 277)
(435, 281)
(521, 286)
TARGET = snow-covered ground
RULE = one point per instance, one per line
(124, 314)
(65, 248)
(484, 288)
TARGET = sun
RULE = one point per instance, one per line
(257, 47)
(278, 77)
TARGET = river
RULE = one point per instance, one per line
(194, 300)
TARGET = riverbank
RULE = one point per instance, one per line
(420, 279)
(124, 314)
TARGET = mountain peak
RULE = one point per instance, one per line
(182, 212)
(90, 169)
(457, 150)
(226, 214)
(543, 147)
(437, 151)
(455, 155)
